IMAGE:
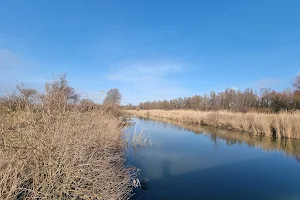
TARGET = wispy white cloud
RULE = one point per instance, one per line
(266, 82)
(10, 60)
(143, 81)
(135, 72)
(11, 66)
(16, 68)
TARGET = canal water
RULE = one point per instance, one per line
(200, 162)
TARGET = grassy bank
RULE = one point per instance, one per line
(51, 149)
(285, 124)
(290, 147)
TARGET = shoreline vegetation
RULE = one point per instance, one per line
(280, 125)
(267, 112)
(248, 100)
(290, 147)
(53, 146)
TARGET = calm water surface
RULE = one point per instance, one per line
(197, 162)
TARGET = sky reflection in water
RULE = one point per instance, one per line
(197, 162)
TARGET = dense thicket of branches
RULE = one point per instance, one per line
(63, 98)
(266, 100)
(113, 96)
(55, 146)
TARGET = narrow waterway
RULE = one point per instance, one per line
(200, 162)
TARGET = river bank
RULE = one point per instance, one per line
(290, 147)
(52, 149)
(214, 163)
(285, 124)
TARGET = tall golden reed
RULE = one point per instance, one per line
(284, 124)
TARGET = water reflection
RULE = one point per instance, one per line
(214, 163)
(166, 168)
(291, 147)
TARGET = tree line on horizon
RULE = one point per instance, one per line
(266, 100)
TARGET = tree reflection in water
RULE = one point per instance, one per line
(291, 147)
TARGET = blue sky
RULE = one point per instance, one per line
(155, 49)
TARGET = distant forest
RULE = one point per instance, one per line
(266, 100)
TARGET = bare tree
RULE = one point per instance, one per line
(113, 96)
(60, 87)
(27, 93)
(266, 100)
(297, 82)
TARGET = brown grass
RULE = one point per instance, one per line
(291, 147)
(284, 124)
(51, 150)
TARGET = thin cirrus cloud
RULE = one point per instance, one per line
(145, 81)
(12, 66)
(135, 72)
(16, 68)
(9, 60)
(266, 82)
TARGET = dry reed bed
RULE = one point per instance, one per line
(284, 124)
(290, 147)
(49, 150)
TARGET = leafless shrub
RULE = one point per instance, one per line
(50, 149)
(87, 105)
